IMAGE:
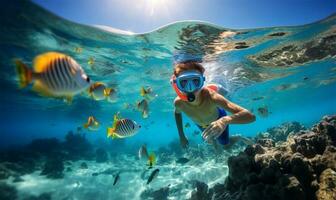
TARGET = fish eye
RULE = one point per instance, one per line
(87, 79)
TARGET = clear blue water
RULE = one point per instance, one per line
(300, 90)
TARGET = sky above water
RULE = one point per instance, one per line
(146, 15)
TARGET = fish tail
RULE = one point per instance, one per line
(86, 125)
(145, 114)
(107, 91)
(111, 133)
(24, 73)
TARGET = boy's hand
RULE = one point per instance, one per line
(214, 130)
(184, 142)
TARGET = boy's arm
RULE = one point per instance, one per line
(239, 115)
(179, 124)
(178, 119)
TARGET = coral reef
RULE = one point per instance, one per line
(280, 133)
(53, 168)
(302, 167)
(101, 155)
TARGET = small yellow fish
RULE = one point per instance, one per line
(54, 75)
(122, 128)
(98, 91)
(91, 61)
(147, 93)
(78, 49)
(92, 124)
(143, 107)
(151, 160)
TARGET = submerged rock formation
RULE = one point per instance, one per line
(302, 167)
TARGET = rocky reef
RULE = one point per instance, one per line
(317, 48)
(302, 167)
(47, 155)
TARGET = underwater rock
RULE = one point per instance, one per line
(327, 186)
(202, 191)
(17, 179)
(53, 168)
(266, 142)
(78, 147)
(160, 194)
(7, 192)
(298, 53)
(45, 146)
(302, 167)
(277, 34)
(43, 196)
(84, 165)
(242, 47)
(280, 133)
(101, 155)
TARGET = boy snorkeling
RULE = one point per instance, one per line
(205, 106)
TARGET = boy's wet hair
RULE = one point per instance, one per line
(188, 65)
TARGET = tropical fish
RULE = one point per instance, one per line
(151, 160)
(92, 124)
(153, 175)
(143, 107)
(91, 61)
(78, 49)
(122, 128)
(116, 178)
(143, 154)
(187, 125)
(54, 75)
(147, 93)
(98, 91)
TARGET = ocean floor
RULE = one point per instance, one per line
(289, 161)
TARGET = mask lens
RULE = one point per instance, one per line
(183, 83)
(196, 82)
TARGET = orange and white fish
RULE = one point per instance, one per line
(143, 154)
(54, 75)
(142, 106)
(92, 124)
(122, 128)
(98, 91)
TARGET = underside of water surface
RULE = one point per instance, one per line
(286, 76)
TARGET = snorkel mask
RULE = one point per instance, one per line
(187, 83)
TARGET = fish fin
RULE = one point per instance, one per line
(42, 61)
(24, 73)
(145, 114)
(142, 91)
(86, 125)
(68, 99)
(151, 159)
(41, 89)
(107, 91)
(111, 133)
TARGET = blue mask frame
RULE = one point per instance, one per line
(189, 82)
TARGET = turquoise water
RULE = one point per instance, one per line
(295, 83)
